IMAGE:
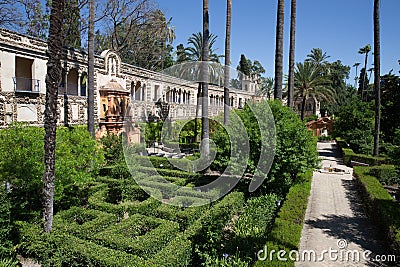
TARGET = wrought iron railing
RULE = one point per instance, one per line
(22, 84)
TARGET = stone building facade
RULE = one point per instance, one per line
(117, 84)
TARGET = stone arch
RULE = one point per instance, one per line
(112, 62)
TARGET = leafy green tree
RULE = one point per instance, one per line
(244, 65)
(309, 83)
(267, 87)
(363, 85)
(364, 50)
(295, 146)
(355, 123)
(21, 164)
(390, 85)
(72, 24)
(181, 55)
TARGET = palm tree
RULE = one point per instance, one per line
(279, 50)
(308, 82)
(370, 73)
(356, 78)
(195, 52)
(364, 50)
(53, 78)
(227, 59)
(317, 56)
(205, 128)
(377, 70)
(267, 87)
(291, 53)
(90, 81)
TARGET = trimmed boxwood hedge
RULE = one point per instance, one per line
(386, 174)
(83, 222)
(139, 235)
(178, 252)
(98, 201)
(381, 207)
(288, 225)
(61, 249)
(189, 176)
(349, 155)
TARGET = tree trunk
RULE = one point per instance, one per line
(279, 50)
(303, 108)
(291, 53)
(377, 78)
(364, 75)
(90, 99)
(205, 129)
(53, 78)
(197, 111)
(227, 59)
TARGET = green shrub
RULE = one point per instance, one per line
(288, 225)
(380, 205)
(5, 223)
(8, 262)
(21, 163)
(386, 174)
(355, 123)
(206, 232)
(257, 217)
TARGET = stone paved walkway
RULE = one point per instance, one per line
(334, 219)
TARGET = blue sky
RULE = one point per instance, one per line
(339, 27)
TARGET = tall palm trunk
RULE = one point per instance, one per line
(377, 78)
(197, 111)
(53, 78)
(90, 99)
(303, 107)
(227, 59)
(205, 128)
(364, 75)
(291, 53)
(279, 50)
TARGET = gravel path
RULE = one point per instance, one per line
(334, 220)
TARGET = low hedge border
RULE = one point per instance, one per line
(349, 155)
(189, 176)
(381, 207)
(286, 232)
(97, 201)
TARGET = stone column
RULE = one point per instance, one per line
(79, 83)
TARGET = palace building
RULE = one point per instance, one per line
(117, 85)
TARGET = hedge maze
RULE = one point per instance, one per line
(121, 225)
